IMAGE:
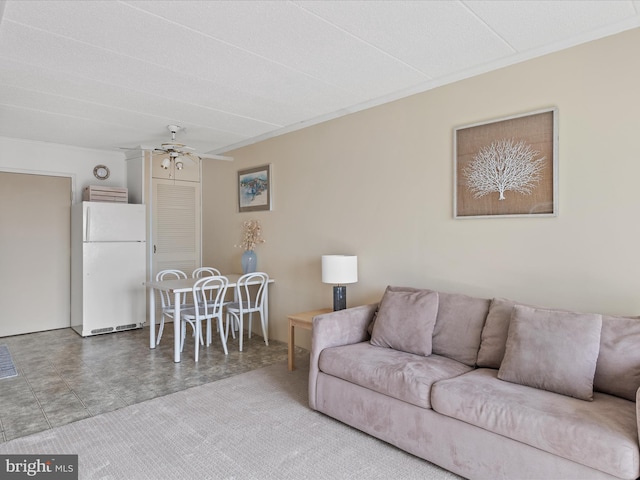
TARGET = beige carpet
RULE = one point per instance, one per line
(256, 425)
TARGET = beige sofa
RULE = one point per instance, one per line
(484, 388)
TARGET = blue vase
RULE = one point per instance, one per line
(249, 261)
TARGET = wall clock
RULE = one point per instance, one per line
(101, 172)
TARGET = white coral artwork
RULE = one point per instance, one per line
(505, 165)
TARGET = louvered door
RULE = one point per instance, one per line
(176, 226)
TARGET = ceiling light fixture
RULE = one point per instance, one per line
(173, 162)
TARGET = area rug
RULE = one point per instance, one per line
(7, 368)
(256, 425)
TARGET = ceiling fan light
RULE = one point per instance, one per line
(165, 163)
(179, 165)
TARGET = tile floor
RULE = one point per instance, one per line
(63, 377)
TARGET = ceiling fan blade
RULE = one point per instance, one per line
(207, 156)
(192, 157)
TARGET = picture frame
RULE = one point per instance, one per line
(507, 167)
(254, 189)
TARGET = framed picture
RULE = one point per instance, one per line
(254, 189)
(507, 167)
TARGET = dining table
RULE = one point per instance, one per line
(177, 287)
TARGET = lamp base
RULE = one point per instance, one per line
(339, 297)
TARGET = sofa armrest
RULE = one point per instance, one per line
(343, 327)
(638, 410)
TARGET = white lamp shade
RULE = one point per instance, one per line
(339, 269)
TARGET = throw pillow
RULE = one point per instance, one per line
(405, 321)
(552, 350)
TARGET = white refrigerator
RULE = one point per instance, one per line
(108, 267)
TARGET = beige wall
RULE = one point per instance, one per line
(379, 184)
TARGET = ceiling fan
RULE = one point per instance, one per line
(179, 153)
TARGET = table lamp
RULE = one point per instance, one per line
(339, 270)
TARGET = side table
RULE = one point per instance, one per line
(303, 320)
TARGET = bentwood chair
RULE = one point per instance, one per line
(205, 271)
(250, 295)
(166, 298)
(208, 297)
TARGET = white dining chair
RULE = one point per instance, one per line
(248, 299)
(166, 298)
(208, 297)
(205, 271)
(201, 272)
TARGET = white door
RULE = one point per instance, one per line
(176, 225)
(113, 222)
(113, 291)
(35, 245)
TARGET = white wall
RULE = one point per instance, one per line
(24, 156)
(379, 184)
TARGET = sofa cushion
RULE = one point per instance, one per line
(373, 321)
(601, 434)
(401, 375)
(405, 321)
(459, 326)
(494, 334)
(618, 366)
(552, 350)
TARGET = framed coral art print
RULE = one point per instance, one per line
(507, 167)
(254, 189)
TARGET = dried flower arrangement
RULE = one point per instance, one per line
(252, 235)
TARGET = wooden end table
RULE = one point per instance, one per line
(303, 320)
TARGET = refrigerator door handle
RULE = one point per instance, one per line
(87, 232)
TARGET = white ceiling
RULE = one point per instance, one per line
(109, 74)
